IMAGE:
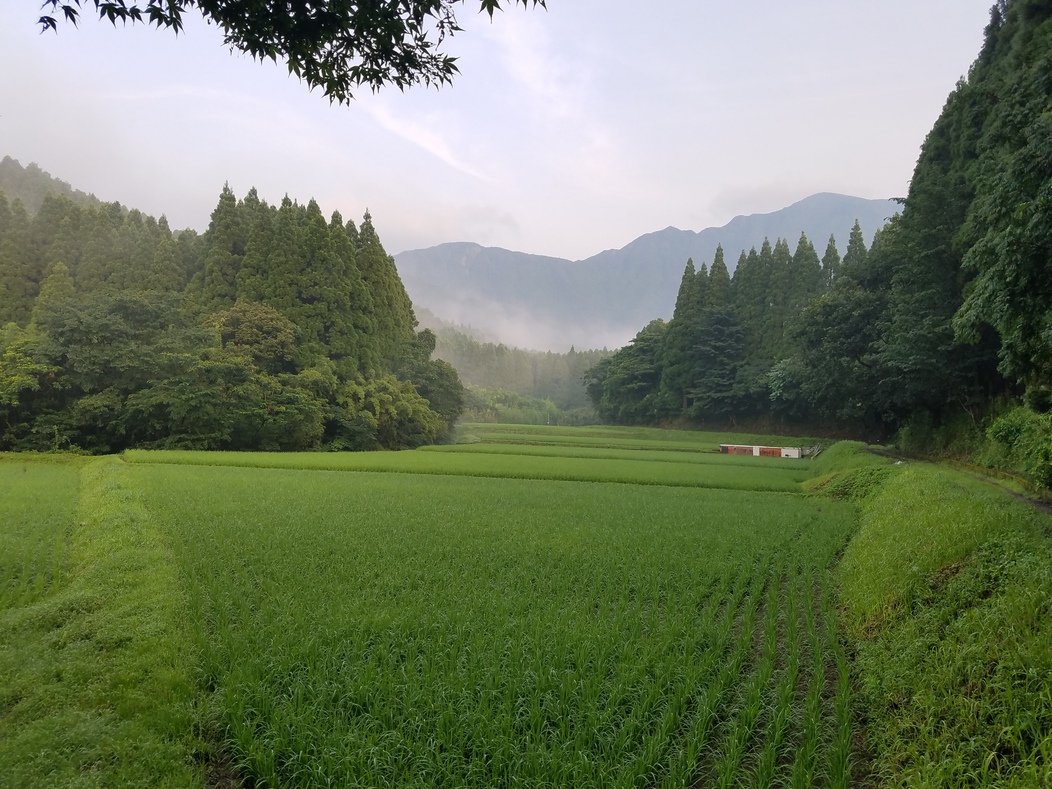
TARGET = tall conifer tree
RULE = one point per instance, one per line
(393, 311)
(677, 355)
(19, 283)
(830, 262)
(225, 242)
(855, 256)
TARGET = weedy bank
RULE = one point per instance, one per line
(946, 590)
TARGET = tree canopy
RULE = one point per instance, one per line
(276, 329)
(338, 46)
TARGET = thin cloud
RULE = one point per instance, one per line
(552, 83)
(424, 137)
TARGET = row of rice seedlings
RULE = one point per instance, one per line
(805, 771)
(671, 759)
(779, 724)
(701, 439)
(841, 729)
(36, 513)
(443, 631)
(744, 726)
(603, 453)
(542, 724)
(571, 469)
(710, 706)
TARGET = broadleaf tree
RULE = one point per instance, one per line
(338, 46)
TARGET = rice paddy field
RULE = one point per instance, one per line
(540, 607)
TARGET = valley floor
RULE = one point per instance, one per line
(542, 606)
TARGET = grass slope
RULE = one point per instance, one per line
(94, 677)
(947, 591)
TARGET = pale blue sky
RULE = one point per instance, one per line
(568, 131)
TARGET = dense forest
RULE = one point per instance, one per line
(938, 330)
(275, 329)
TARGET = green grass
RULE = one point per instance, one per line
(94, 676)
(734, 475)
(36, 510)
(571, 608)
(948, 591)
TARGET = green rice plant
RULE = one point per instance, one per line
(641, 436)
(806, 763)
(840, 721)
(575, 469)
(648, 455)
(695, 443)
(759, 765)
(36, 502)
(779, 725)
(426, 630)
(742, 731)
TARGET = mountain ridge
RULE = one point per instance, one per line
(548, 302)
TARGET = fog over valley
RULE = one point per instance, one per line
(546, 303)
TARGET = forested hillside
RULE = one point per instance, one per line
(275, 329)
(944, 322)
(31, 185)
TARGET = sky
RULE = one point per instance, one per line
(568, 131)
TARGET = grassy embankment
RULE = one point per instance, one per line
(95, 683)
(946, 591)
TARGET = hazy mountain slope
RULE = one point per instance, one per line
(30, 184)
(542, 302)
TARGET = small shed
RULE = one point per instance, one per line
(758, 451)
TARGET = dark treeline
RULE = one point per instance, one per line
(275, 329)
(714, 361)
(946, 320)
